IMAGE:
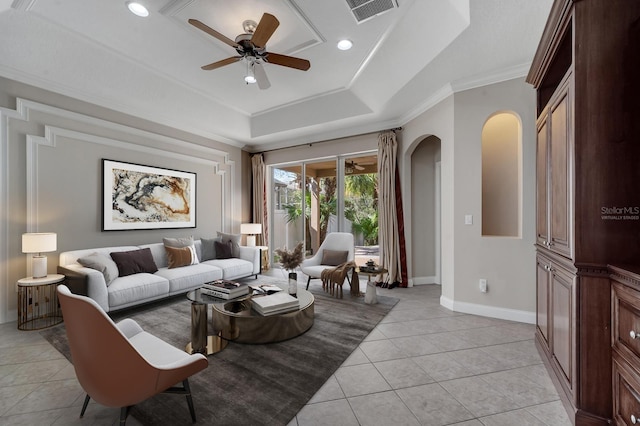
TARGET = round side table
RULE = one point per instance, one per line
(370, 296)
(38, 302)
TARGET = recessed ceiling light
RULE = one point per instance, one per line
(137, 9)
(345, 44)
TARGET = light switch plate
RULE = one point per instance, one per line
(468, 219)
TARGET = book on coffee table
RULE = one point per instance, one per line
(225, 289)
(265, 289)
(220, 294)
(276, 303)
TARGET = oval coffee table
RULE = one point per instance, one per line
(236, 321)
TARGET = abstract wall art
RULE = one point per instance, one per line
(144, 197)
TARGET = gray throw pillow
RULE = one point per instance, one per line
(101, 263)
(235, 242)
(208, 248)
(178, 242)
(134, 262)
(334, 257)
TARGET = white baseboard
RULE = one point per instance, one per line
(489, 311)
(425, 280)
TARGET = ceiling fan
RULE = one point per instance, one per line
(251, 47)
(351, 166)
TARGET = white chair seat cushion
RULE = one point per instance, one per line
(315, 271)
(156, 351)
(132, 288)
(232, 267)
(189, 277)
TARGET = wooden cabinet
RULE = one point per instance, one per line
(554, 172)
(625, 338)
(586, 74)
(556, 313)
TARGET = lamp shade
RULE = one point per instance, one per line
(251, 228)
(40, 242)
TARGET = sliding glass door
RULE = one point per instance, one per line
(339, 194)
(361, 205)
(320, 178)
(287, 208)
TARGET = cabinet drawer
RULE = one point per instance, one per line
(626, 394)
(626, 319)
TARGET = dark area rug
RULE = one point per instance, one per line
(252, 384)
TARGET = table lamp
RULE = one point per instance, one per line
(38, 243)
(251, 230)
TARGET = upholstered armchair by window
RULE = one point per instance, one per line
(120, 365)
(337, 248)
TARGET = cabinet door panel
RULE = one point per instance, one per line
(626, 393)
(542, 290)
(541, 184)
(562, 286)
(560, 203)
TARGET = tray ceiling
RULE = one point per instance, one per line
(401, 61)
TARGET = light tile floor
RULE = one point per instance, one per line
(426, 365)
(422, 365)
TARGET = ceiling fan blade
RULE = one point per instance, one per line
(261, 76)
(218, 64)
(213, 32)
(288, 61)
(265, 29)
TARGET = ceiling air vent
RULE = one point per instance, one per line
(365, 9)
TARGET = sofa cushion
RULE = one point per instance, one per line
(235, 242)
(334, 257)
(233, 267)
(224, 250)
(189, 277)
(183, 256)
(134, 262)
(208, 248)
(134, 289)
(101, 263)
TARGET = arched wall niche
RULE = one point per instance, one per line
(502, 175)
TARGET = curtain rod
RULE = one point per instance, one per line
(394, 130)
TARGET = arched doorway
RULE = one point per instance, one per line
(425, 206)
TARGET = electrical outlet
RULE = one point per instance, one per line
(483, 285)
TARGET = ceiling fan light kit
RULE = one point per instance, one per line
(251, 46)
(250, 78)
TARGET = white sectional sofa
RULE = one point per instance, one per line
(126, 291)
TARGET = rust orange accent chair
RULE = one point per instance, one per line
(119, 364)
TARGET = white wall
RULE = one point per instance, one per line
(51, 151)
(508, 264)
(437, 121)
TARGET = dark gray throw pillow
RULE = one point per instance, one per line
(208, 248)
(235, 242)
(334, 257)
(223, 250)
(134, 262)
